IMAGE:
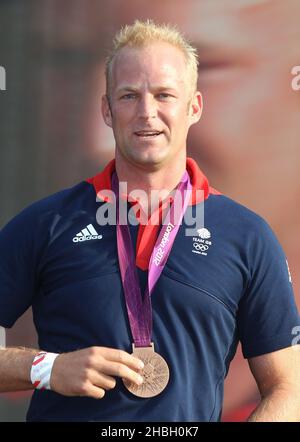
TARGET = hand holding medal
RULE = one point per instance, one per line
(155, 373)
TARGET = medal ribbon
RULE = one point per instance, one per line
(139, 309)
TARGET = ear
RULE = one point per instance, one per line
(106, 112)
(196, 107)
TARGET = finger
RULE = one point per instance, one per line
(122, 357)
(102, 380)
(94, 392)
(122, 371)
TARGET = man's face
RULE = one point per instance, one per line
(151, 105)
(251, 118)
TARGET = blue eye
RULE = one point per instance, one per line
(128, 96)
(164, 96)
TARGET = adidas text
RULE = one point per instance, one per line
(86, 238)
(86, 234)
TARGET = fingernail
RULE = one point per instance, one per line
(140, 380)
(141, 364)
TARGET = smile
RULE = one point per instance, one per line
(147, 133)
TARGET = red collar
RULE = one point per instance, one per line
(147, 234)
(102, 181)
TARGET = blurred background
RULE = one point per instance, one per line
(247, 142)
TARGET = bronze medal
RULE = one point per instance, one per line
(155, 373)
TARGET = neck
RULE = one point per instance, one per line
(162, 178)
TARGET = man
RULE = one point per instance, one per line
(248, 139)
(90, 317)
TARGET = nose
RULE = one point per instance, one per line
(147, 108)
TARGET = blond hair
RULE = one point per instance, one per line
(140, 34)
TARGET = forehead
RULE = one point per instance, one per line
(246, 19)
(158, 61)
(268, 27)
(265, 26)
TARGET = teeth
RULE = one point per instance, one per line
(147, 134)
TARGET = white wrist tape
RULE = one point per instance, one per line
(41, 370)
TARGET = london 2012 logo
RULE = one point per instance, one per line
(202, 242)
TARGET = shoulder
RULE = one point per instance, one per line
(56, 204)
(63, 199)
(237, 217)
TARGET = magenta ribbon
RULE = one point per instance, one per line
(139, 309)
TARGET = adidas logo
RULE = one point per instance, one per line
(87, 234)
